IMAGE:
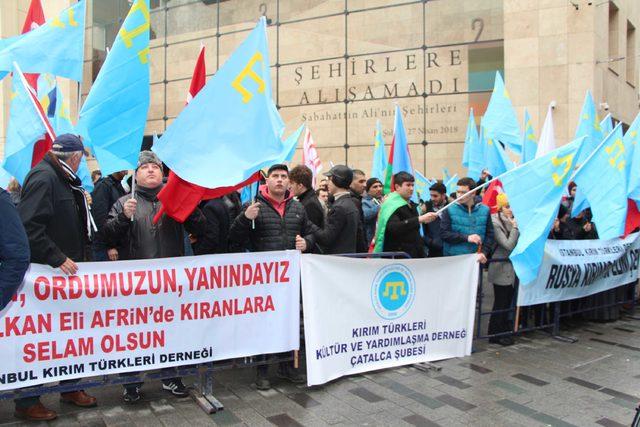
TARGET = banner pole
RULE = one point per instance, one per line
(515, 327)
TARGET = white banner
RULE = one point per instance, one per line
(137, 315)
(578, 268)
(367, 314)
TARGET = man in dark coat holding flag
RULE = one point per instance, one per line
(131, 221)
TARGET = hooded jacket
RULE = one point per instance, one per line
(273, 231)
(142, 239)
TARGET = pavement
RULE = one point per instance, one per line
(538, 381)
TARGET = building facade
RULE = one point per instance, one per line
(341, 65)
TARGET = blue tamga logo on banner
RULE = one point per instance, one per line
(393, 291)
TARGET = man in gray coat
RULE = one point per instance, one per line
(502, 274)
(131, 222)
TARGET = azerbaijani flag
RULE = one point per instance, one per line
(399, 158)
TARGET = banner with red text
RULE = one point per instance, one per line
(129, 316)
(366, 314)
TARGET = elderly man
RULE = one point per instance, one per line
(131, 222)
(56, 217)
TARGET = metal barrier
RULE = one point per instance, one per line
(203, 387)
(202, 391)
(548, 316)
(391, 255)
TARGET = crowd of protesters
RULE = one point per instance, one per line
(52, 220)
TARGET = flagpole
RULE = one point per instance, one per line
(133, 189)
(38, 108)
(507, 173)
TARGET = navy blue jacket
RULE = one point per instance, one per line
(14, 249)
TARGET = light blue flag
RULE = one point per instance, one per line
(606, 125)
(5, 178)
(473, 155)
(249, 192)
(57, 47)
(61, 123)
(633, 180)
(534, 190)
(6, 42)
(445, 176)
(420, 188)
(500, 121)
(470, 138)
(529, 143)
(113, 117)
(602, 179)
(589, 127)
(379, 167)
(451, 184)
(496, 159)
(231, 128)
(292, 140)
(24, 130)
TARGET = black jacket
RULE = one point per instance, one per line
(403, 232)
(142, 238)
(14, 249)
(340, 232)
(105, 194)
(52, 216)
(272, 232)
(361, 239)
(312, 205)
(431, 233)
(219, 213)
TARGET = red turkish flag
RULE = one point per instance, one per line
(490, 194)
(179, 198)
(199, 77)
(633, 217)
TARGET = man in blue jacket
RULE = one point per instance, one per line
(14, 249)
(466, 226)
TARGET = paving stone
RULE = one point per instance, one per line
(455, 402)
(606, 422)
(420, 421)
(452, 382)
(530, 379)
(366, 395)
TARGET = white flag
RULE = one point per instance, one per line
(547, 142)
(310, 155)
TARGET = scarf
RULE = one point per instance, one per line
(393, 202)
(79, 195)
